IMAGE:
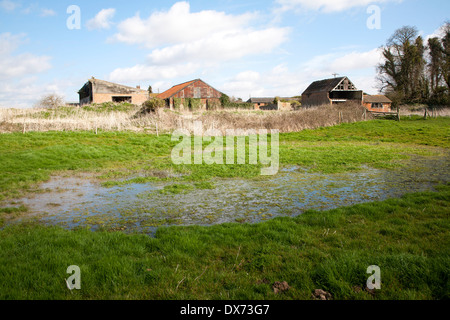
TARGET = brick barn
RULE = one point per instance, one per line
(195, 89)
(100, 91)
(377, 103)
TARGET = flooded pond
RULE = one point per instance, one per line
(82, 202)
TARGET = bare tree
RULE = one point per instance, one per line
(51, 101)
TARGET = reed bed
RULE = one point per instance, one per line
(419, 110)
(166, 121)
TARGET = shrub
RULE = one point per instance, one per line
(194, 104)
(237, 105)
(224, 100)
(214, 104)
(153, 105)
(177, 103)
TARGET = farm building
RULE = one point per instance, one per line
(269, 103)
(377, 103)
(100, 91)
(261, 102)
(195, 89)
(331, 91)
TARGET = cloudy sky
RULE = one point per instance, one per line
(243, 48)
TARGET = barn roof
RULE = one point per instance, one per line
(377, 99)
(261, 100)
(324, 85)
(175, 89)
(112, 86)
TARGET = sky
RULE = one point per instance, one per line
(263, 48)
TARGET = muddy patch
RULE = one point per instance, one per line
(82, 202)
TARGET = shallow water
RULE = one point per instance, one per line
(81, 202)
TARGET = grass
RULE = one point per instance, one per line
(27, 159)
(407, 238)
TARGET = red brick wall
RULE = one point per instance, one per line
(386, 107)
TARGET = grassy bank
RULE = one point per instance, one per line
(407, 238)
(27, 159)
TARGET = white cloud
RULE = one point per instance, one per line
(18, 83)
(278, 81)
(178, 25)
(223, 46)
(48, 13)
(9, 5)
(12, 66)
(282, 81)
(182, 41)
(356, 61)
(102, 20)
(25, 93)
(342, 63)
(438, 33)
(326, 6)
(148, 73)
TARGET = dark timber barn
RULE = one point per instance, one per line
(331, 91)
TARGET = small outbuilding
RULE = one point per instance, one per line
(377, 103)
(331, 91)
(100, 91)
(195, 89)
(260, 103)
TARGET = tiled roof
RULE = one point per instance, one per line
(377, 99)
(174, 90)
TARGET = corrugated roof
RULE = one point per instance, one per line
(324, 85)
(377, 99)
(112, 85)
(174, 90)
(94, 80)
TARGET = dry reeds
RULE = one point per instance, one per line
(164, 121)
(419, 110)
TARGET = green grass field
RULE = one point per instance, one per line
(408, 238)
(28, 159)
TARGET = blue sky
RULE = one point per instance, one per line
(243, 48)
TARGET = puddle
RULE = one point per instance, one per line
(80, 202)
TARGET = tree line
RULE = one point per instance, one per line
(414, 70)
